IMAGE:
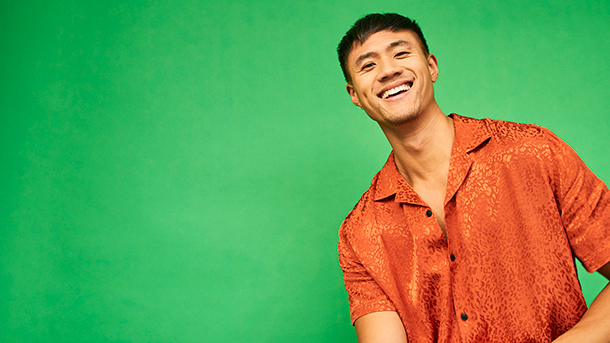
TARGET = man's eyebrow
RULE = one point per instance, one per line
(364, 57)
(398, 43)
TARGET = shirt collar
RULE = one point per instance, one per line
(470, 133)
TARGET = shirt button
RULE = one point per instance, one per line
(452, 257)
(464, 317)
(429, 213)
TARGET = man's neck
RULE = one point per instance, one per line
(422, 148)
(422, 153)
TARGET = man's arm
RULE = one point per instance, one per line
(594, 326)
(380, 327)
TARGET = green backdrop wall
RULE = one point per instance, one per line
(176, 171)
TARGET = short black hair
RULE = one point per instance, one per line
(373, 23)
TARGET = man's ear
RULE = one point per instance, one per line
(353, 95)
(433, 67)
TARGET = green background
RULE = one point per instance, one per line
(176, 171)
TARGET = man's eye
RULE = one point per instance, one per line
(368, 65)
(402, 53)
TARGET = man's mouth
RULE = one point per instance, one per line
(396, 90)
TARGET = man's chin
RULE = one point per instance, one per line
(398, 119)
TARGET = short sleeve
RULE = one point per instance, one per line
(365, 295)
(584, 203)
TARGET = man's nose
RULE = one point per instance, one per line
(388, 70)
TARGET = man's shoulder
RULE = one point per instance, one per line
(509, 130)
(358, 214)
(378, 205)
(520, 146)
(512, 134)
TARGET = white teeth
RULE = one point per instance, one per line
(395, 90)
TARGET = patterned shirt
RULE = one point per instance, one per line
(520, 205)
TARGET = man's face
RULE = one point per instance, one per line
(391, 77)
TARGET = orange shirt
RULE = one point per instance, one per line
(520, 204)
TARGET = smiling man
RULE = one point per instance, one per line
(469, 231)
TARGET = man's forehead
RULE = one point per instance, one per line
(386, 38)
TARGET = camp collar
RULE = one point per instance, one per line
(470, 133)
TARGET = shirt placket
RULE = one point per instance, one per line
(464, 315)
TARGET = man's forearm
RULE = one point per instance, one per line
(594, 326)
(380, 327)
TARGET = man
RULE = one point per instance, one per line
(469, 231)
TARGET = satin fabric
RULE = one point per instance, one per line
(520, 205)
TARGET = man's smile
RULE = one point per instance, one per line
(395, 90)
